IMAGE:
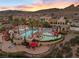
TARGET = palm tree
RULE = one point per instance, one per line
(10, 20)
(42, 21)
(23, 22)
(17, 23)
(36, 24)
(25, 30)
(31, 23)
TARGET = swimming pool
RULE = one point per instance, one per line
(46, 36)
(28, 33)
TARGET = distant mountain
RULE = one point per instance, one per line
(72, 8)
(13, 12)
(68, 11)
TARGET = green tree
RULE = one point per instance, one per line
(31, 24)
(10, 20)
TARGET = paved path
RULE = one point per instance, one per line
(18, 48)
(38, 50)
(67, 38)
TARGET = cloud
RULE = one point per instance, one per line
(42, 4)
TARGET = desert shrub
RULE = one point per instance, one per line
(59, 54)
(3, 54)
(69, 55)
(77, 52)
(74, 41)
(16, 55)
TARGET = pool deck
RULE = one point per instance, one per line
(8, 47)
(38, 50)
(19, 48)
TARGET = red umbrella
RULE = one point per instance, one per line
(33, 44)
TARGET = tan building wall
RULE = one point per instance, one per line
(59, 24)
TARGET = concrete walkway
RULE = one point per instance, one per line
(8, 47)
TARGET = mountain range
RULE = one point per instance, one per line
(68, 11)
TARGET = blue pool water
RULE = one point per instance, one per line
(28, 33)
(46, 36)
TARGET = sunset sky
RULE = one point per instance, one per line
(34, 5)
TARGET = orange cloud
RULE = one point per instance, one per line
(47, 6)
(39, 6)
